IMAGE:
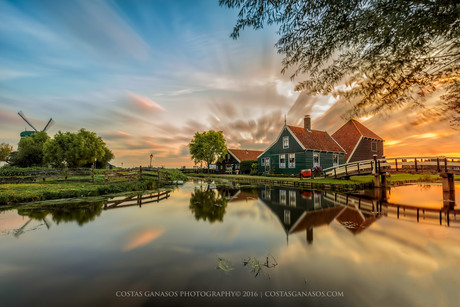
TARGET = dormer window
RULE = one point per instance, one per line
(285, 142)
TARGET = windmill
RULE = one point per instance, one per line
(28, 133)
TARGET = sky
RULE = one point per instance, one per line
(147, 75)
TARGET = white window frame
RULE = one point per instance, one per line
(335, 159)
(287, 217)
(291, 164)
(316, 154)
(373, 144)
(285, 142)
(292, 198)
(283, 198)
(282, 164)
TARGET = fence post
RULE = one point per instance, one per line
(158, 170)
(140, 172)
(92, 174)
(105, 177)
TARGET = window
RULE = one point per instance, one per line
(282, 197)
(267, 161)
(285, 142)
(335, 159)
(287, 217)
(283, 161)
(292, 198)
(373, 146)
(291, 160)
(262, 161)
(316, 159)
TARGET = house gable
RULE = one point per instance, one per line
(351, 137)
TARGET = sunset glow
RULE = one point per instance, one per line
(146, 76)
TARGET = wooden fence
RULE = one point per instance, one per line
(87, 175)
(134, 174)
(66, 175)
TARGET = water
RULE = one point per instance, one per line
(210, 244)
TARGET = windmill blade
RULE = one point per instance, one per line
(24, 118)
(49, 124)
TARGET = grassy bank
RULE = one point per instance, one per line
(28, 192)
(354, 183)
(56, 189)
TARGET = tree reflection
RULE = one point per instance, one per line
(80, 213)
(208, 205)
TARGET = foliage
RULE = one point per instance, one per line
(208, 205)
(5, 151)
(30, 150)
(76, 149)
(246, 166)
(388, 53)
(207, 147)
(20, 171)
(254, 169)
(176, 175)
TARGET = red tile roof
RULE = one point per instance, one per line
(349, 134)
(243, 154)
(315, 139)
(354, 221)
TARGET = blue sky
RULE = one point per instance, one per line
(147, 75)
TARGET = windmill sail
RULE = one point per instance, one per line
(49, 124)
(25, 119)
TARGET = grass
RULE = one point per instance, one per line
(365, 179)
(58, 188)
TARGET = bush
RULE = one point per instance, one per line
(246, 166)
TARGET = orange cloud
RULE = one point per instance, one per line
(142, 238)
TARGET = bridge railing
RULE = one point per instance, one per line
(396, 164)
(429, 164)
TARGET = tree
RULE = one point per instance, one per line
(5, 151)
(76, 149)
(390, 53)
(208, 205)
(207, 147)
(30, 150)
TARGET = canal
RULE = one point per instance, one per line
(212, 243)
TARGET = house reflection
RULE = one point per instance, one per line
(303, 210)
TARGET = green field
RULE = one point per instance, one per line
(55, 188)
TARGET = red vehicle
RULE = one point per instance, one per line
(305, 173)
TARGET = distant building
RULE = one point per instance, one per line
(233, 158)
(359, 142)
(298, 148)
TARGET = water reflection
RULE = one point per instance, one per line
(161, 247)
(79, 213)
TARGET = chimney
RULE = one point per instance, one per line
(307, 122)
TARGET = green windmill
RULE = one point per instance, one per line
(29, 132)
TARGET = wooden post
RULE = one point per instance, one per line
(92, 174)
(437, 163)
(396, 164)
(140, 172)
(415, 163)
(448, 190)
(158, 177)
(445, 164)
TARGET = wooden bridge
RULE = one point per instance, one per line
(396, 165)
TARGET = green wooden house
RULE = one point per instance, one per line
(298, 148)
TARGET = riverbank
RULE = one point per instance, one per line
(14, 193)
(355, 183)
